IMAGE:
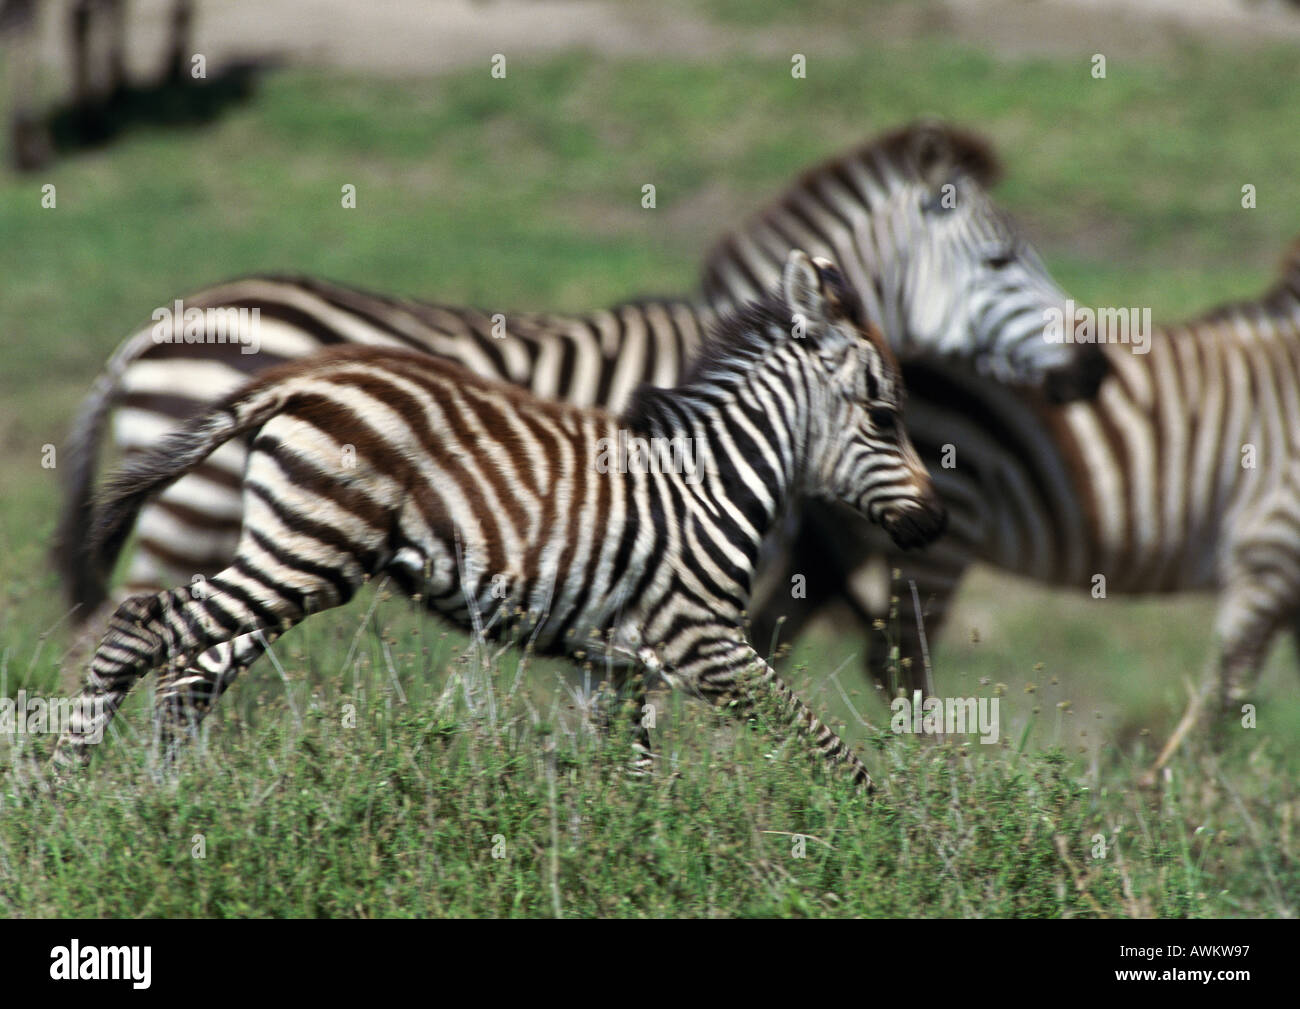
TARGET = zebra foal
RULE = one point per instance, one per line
(457, 486)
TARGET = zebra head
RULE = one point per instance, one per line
(938, 265)
(860, 453)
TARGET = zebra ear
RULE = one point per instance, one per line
(801, 286)
(933, 155)
(940, 153)
(817, 293)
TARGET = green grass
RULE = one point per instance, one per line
(526, 193)
(459, 795)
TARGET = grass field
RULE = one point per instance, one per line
(525, 193)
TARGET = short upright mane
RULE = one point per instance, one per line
(1280, 301)
(740, 338)
(917, 144)
(1287, 287)
(917, 150)
(930, 153)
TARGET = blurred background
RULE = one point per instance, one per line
(524, 192)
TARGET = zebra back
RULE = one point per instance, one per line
(171, 369)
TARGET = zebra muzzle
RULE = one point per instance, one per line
(1079, 380)
(917, 525)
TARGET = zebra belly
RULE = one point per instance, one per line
(511, 607)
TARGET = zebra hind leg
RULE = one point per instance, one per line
(641, 764)
(1251, 611)
(1259, 601)
(141, 634)
(187, 691)
(1262, 595)
(147, 631)
(628, 702)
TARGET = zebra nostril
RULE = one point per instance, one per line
(939, 516)
(915, 526)
(1078, 380)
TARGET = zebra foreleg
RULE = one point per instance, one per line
(805, 577)
(641, 764)
(629, 701)
(747, 685)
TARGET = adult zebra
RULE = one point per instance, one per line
(1182, 475)
(939, 266)
(928, 207)
(485, 502)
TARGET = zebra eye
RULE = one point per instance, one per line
(999, 260)
(883, 419)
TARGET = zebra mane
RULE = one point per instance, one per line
(931, 152)
(1280, 301)
(925, 146)
(1288, 274)
(928, 153)
(736, 343)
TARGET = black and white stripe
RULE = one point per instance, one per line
(1151, 487)
(191, 529)
(149, 387)
(950, 282)
(938, 265)
(457, 487)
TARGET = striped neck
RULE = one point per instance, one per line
(745, 410)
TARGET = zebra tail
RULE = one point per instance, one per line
(177, 454)
(85, 587)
